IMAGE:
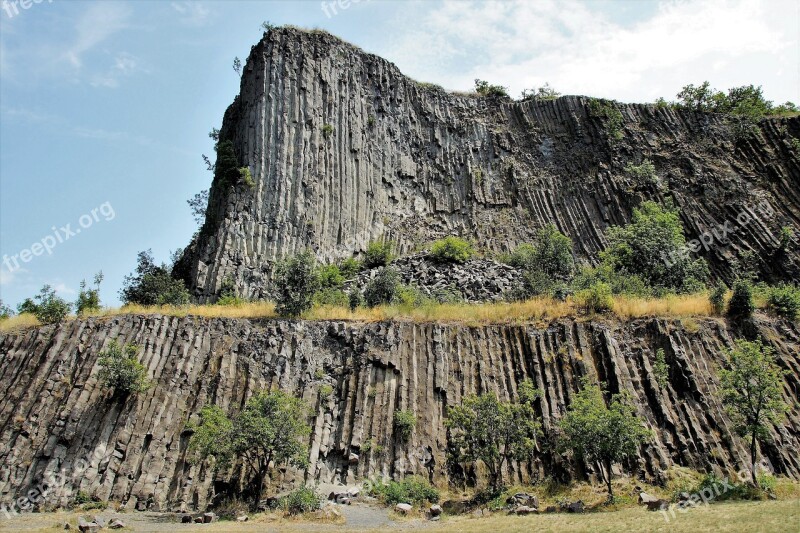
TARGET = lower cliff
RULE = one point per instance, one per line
(56, 417)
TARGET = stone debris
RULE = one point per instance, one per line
(403, 508)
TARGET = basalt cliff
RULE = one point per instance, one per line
(342, 149)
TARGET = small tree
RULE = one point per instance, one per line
(741, 304)
(47, 307)
(296, 281)
(484, 429)
(89, 299)
(153, 284)
(379, 253)
(602, 434)
(484, 88)
(383, 288)
(752, 393)
(545, 263)
(717, 298)
(268, 432)
(198, 204)
(237, 66)
(5, 311)
(121, 370)
(404, 423)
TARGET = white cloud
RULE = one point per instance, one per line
(63, 290)
(191, 13)
(99, 22)
(580, 49)
(125, 65)
(7, 277)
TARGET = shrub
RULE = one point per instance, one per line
(325, 390)
(332, 297)
(411, 296)
(302, 500)
(451, 250)
(296, 282)
(383, 288)
(349, 268)
(89, 299)
(5, 311)
(379, 253)
(605, 111)
(717, 298)
(327, 130)
(483, 88)
(741, 303)
(784, 300)
(645, 172)
(785, 237)
(121, 370)
(412, 490)
(544, 93)
(545, 263)
(661, 368)
(595, 299)
(330, 277)
(620, 282)
(355, 299)
(246, 177)
(48, 308)
(404, 423)
(151, 284)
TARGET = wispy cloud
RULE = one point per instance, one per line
(125, 65)
(191, 13)
(579, 49)
(99, 22)
(7, 277)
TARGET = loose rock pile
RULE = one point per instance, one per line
(477, 280)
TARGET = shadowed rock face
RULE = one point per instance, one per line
(54, 413)
(344, 149)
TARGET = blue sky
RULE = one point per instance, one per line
(107, 105)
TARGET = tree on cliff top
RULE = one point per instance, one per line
(602, 434)
(153, 284)
(752, 392)
(297, 279)
(269, 431)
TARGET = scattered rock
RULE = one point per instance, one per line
(87, 527)
(198, 520)
(435, 510)
(100, 521)
(186, 519)
(403, 508)
(244, 518)
(576, 507)
(353, 459)
(646, 498)
(551, 509)
(524, 509)
(208, 518)
(657, 505)
(116, 524)
(454, 507)
(67, 526)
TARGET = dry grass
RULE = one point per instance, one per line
(686, 307)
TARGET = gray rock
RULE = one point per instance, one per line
(208, 518)
(186, 519)
(576, 507)
(403, 508)
(435, 509)
(117, 524)
(244, 518)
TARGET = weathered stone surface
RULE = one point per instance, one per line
(403, 508)
(54, 414)
(576, 507)
(116, 524)
(414, 163)
(435, 510)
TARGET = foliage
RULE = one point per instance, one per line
(620, 282)
(784, 300)
(717, 298)
(786, 235)
(644, 172)
(543, 93)
(296, 282)
(746, 100)
(325, 390)
(355, 299)
(330, 277)
(485, 429)
(152, 284)
(599, 433)
(5, 311)
(379, 253)
(411, 490)
(653, 247)
(268, 430)
(383, 288)
(411, 296)
(752, 392)
(47, 307)
(661, 368)
(267, 26)
(350, 267)
(327, 130)
(741, 304)
(246, 177)
(404, 423)
(198, 204)
(301, 500)
(89, 299)
(121, 370)
(237, 66)
(483, 88)
(606, 111)
(596, 298)
(332, 297)
(544, 263)
(451, 250)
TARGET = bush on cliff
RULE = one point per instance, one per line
(451, 250)
(152, 284)
(46, 306)
(296, 281)
(383, 288)
(741, 304)
(784, 300)
(411, 490)
(89, 299)
(121, 370)
(546, 264)
(379, 253)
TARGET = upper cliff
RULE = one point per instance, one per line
(344, 149)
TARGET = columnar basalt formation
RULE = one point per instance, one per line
(344, 149)
(54, 412)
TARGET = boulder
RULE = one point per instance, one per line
(186, 519)
(576, 507)
(551, 509)
(454, 507)
(208, 518)
(403, 508)
(524, 509)
(435, 510)
(353, 459)
(198, 519)
(100, 521)
(116, 524)
(243, 518)
(657, 505)
(646, 498)
(87, 527)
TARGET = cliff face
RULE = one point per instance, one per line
(344, 149)
(54, 414)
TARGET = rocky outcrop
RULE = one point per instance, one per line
(476, 280)
(56, 418)
(344, 149)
